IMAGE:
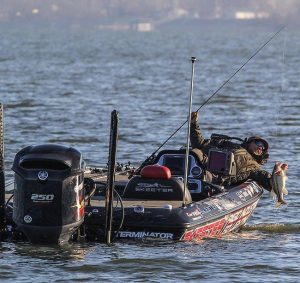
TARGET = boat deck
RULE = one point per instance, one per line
(100, 202)
(120, 181)
(102, 178)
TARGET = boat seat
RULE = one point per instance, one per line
(156, 189)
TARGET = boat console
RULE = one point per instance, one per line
(164, 179)
(175, 161)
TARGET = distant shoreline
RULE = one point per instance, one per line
(184, 24)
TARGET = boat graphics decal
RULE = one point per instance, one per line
(42, 197)
(194, 213)
(228, 223)
(243, 195)
(142, 234)
(217, 205)
(248, 191)
(213, 206)
(154, 188)
(229, 204)
(200, 212)
(235, 220)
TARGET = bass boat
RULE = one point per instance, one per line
(55, 199)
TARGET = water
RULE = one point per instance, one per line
(61, 86)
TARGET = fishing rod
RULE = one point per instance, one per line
(216, 92)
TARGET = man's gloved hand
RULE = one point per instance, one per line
(194, 117)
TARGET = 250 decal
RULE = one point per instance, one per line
(42, 197)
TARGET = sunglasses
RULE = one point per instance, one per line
(260, 144)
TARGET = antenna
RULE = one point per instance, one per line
(193, 59)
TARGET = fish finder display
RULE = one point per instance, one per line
(217, 161)
(176, 164)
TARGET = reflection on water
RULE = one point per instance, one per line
(53, 253)
(274, 228)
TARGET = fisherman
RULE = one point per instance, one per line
(248, 157)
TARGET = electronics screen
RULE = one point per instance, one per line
(176, 164)
(217, 161)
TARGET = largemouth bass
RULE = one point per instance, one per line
(278, 183)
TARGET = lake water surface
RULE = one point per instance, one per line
(60, 86)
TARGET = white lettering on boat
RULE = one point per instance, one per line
(141, 234)
(154, 188)
(42, 198)
(194, 213)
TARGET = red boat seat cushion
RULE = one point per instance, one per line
(156, 172)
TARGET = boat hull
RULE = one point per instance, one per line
(222, 226)
(211, 217)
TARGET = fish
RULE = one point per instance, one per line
(278, 179)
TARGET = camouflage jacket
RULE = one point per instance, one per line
(247, 167)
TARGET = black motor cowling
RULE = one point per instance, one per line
(48, 192)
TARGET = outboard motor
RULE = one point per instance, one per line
(48, 192)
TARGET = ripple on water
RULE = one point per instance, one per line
(62, 86)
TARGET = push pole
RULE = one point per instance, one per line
(193, 59)
(2, 177)
(109, 198)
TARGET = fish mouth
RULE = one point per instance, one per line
(258, 151)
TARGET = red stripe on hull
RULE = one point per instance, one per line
(228, 223)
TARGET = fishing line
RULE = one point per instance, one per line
(216, 92)
(282, 84)
(278, 99)
(250, 58)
